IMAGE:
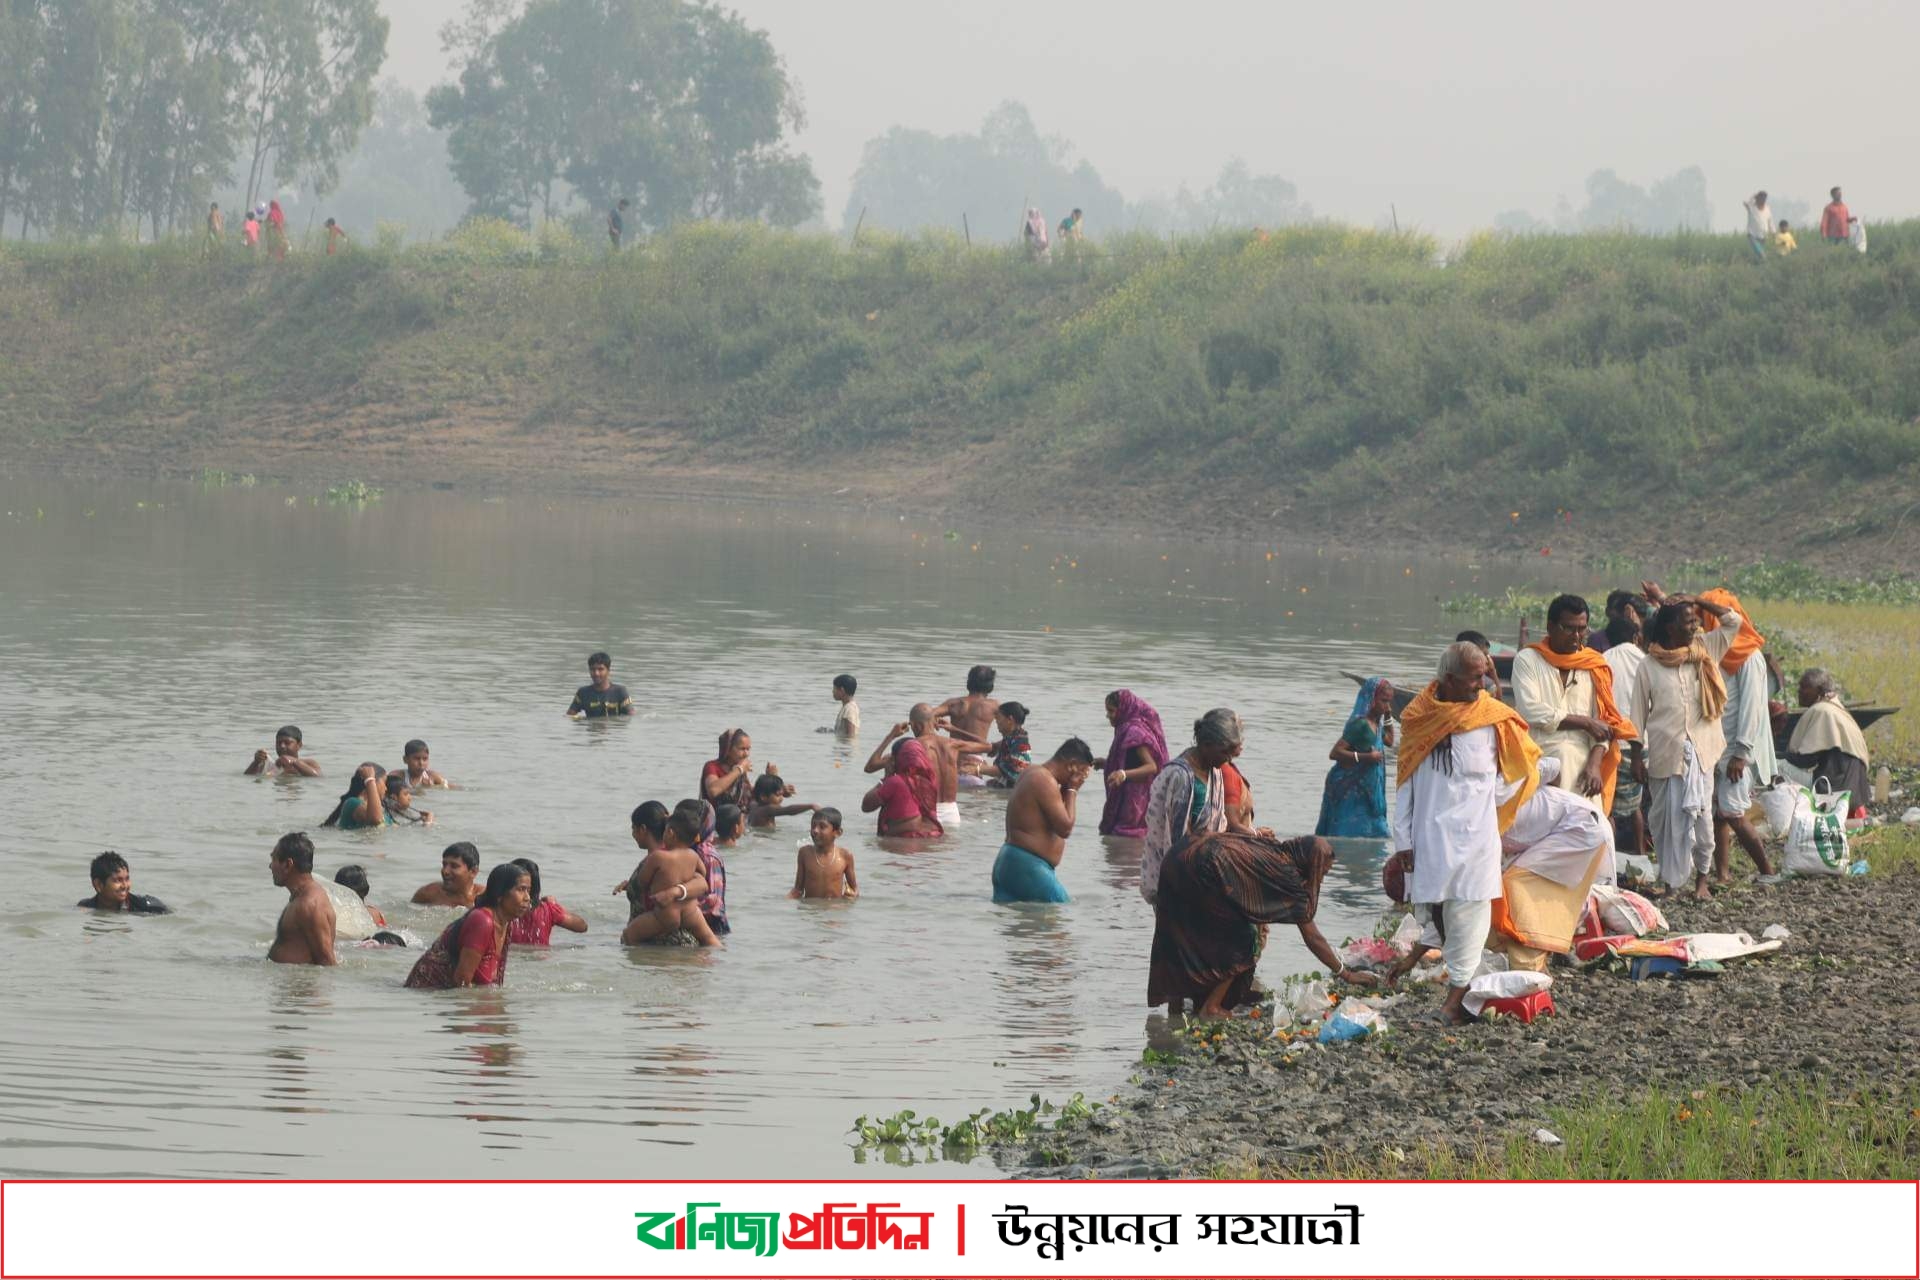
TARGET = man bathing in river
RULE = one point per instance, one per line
(825, 870)
(600, 697)
(285, 758)
(1040, 816)
(113, 889)
(971, 715)
(1466, 766)
(305, 932)
(459, 863)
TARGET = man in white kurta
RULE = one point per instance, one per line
(1560, 706)
(1747, 763)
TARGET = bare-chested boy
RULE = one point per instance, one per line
(305, 932)
(971, 716)
(285, 758)
(1040, 816)
(769, 789)
(661, 880)
(459, 863)
(825, 870)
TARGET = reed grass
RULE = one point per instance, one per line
(1874, 651)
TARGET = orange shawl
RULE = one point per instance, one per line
(1427, 721)
(1746, 644)
(1605, 710)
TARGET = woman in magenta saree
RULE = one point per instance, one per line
(1139, 752)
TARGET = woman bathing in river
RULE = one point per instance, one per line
(908, 800)
(1138, 753)
(1354, 802)
(472, 951)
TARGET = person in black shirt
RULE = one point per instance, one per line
(601, 697)
(113, 889)
(616, 224)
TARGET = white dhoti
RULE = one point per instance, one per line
(1680, 813)
(1466, 925)
(948, 811)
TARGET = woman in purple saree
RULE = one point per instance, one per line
(1139, 751)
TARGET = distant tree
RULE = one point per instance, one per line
(399, 172)
(310, 66)
(1676, 202)
(1239, 197)
(910, 178)
(676, 105)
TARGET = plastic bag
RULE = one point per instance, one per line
(1817, 837)
(352, 922)
(1777, 803)
(1624, 911)
(1350, 1021)
(1407, 936)
(1503, 986)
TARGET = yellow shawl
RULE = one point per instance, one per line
(1713, 687)
(1605, 710)
(1427, 722)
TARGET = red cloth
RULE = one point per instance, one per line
(912, 764)
(1833, 221)
(436, 968)
(535, 928)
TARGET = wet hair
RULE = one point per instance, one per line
(1665, 620)
(1014, 711)
(1456, 658)
(1220, 727)
(388, 938)
(651, 817)
(1475, 639)
(847, 684)
(1623, 629)
(500, 882)
(831, 816)
(294, 847)
(105, 865)
(532, 869)
(1074, 751)
(465, 851)
(727, 819)
(353, 877)
(599, 659)
(767, 787)
(1562, 605)
(290, 731)
(980, 679)
(1819, 677)
(397, 781)
(685, 823)
(413, 745)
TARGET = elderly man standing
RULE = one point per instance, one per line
(1678, 703)
(1564, 691)
(1466, 767)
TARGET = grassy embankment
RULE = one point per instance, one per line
(1598, 392)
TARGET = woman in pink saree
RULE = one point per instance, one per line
(1139, 752)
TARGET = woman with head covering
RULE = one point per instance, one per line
(1354, 802)
(1138, 753)
(1034, 231)
(277, 222)
(908, 800)
(728, 777)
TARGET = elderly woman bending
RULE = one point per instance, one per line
(1216, 885)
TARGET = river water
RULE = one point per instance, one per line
(153, 635)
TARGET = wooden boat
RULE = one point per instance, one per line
(1783, 733)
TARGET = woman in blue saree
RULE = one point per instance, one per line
(1355, 800)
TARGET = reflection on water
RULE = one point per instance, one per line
(151, 638)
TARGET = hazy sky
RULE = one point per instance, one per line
(1452, 112)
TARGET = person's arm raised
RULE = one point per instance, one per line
(1057, 808)
(878, 760)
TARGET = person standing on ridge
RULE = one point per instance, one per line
(1833, 219)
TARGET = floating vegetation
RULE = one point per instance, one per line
(906, 1131)
(213, 478)
(352, 491)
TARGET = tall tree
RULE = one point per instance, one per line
(676, 105)
(310, 67)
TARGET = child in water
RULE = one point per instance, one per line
(354, 877)
(419, 776)
(768, 791)
(398, 798)
(1014, 752)
(729, 824)
(847, 723)
(662, 877)
(825, 870)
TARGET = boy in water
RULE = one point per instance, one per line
(662, 877)
(600, 697)
(825, 869)
(970, 716)
(355, 878)
(768, 792)
(397, 800)
(729, 824)
(459, 862)
(285, 759)
(419, 776)
(113, 889)
(847, 723)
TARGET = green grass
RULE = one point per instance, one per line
(1793, 1131)
(1516, 384)
(1889, 850)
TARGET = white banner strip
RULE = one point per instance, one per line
(957, 1229)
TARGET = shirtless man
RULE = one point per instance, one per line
(459, 863)
(285, 758)
(305, 932)
(662, 878)
(1040, 816)
(945, 753)
(825, 870)
(971, 716)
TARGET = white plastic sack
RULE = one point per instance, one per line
(1503, 986)
(1816, 842)
(1623, 911)
(1727, 946)
(352, 922)
(1777, 803)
